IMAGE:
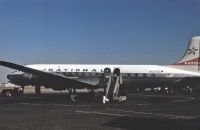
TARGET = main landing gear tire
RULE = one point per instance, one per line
(20, 91)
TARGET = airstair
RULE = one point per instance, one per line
(114, 86)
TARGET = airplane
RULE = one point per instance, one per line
(115, 80)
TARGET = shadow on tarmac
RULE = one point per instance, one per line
(139, 123)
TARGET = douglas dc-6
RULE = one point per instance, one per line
(114, 79)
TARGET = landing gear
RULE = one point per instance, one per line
(187, 90)
(73, 96)
(21, 90)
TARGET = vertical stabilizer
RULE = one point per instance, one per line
(191, 59)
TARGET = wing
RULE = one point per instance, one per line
(51, 79)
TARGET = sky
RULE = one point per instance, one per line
(96, 31)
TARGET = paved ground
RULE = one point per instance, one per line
(140, 112)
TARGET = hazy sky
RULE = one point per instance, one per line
(96, 31)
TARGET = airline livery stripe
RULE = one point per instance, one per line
(189, 62)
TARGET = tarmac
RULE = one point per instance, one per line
(141, 112)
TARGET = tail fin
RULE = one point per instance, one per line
(191, 59)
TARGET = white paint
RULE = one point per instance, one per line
(100, 113)
(155, 114)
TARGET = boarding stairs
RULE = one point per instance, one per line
(114, 82)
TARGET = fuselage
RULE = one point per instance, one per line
(134, 75)
(168, 71)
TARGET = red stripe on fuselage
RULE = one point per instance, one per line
(189, 62)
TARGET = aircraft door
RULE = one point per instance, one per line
(107, 72)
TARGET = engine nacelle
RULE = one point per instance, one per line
(27, 76)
